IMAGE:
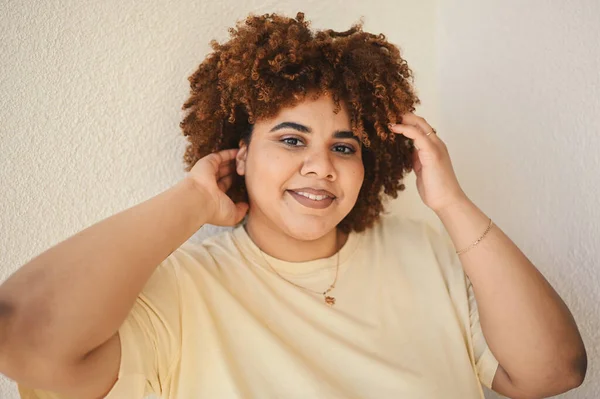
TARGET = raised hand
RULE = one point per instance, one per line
(437, 183)
(213, 175)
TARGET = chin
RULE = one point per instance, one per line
(308, 230)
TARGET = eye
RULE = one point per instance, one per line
(291, 141)
(345, 149)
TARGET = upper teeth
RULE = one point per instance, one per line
(312, 196)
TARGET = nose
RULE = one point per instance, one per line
(319, 163)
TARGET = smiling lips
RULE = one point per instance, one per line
(316, 199)
(313, 196)
(313, 191)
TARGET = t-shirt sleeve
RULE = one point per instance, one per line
(150, 337)
(485, 363)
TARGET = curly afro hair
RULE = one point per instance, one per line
(273, 62)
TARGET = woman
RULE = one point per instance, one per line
(314, 293)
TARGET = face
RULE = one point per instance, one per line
(303, 169)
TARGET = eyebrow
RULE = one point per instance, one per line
(338, 134)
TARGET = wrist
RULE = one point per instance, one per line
(459, 205)
(204, 205)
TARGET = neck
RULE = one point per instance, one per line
(277, 244)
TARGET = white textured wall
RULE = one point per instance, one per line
(520, 105)
(91, 97)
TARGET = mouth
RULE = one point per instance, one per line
(314, 196)
(315, 201)
(313, 193)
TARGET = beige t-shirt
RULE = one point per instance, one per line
(214, 322)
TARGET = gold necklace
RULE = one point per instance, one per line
(329, 300)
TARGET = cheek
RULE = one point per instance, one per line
(355, 176)
(270, 171)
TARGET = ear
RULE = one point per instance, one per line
(240, 158)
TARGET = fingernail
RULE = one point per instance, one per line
(391, 125)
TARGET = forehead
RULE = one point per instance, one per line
(316, 112)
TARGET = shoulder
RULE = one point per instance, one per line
(405, 242)
(416, 242)
(199, 256)
(416, 231)
(395, 230)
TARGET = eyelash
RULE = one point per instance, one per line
(352, 150)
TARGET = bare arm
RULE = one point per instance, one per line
(73, 297)
(527, 326)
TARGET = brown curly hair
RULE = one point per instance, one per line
(272, 62)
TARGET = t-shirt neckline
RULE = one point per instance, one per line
(253, 252)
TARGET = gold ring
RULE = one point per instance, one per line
(432, 131)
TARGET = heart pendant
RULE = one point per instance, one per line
(330, 300)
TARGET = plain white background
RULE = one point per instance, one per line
(92, 94)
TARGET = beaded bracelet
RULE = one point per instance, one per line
(477, 241)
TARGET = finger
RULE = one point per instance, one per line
(412, 132)
(420, 122)
(224, 156)
(227, 155)
(226, 169)
(225, 182)
(417, 166)
(241, 208)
